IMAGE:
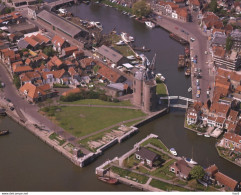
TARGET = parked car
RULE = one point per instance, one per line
(192, 39)
(11, 108)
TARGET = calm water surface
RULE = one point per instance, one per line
(27, 164)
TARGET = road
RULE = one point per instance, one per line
(197, 47)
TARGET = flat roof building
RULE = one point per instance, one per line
(61, 24)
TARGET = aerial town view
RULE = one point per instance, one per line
(120, 95)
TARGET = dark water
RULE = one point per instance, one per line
(27, 164)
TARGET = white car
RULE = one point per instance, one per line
(192, 39)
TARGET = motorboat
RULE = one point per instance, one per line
(62, 11)
(191, 161)
(150, 24)
(119, 43)
(189, 89)
(126, 38)
(131, 57)
(199, 133)
(4, 132)
(98, 25)
(161, 77)
(188, 72)
(206, 135)
(173, 151)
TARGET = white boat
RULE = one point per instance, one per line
(150, 24)
(62, 11)
(199, 134)
(126, 38)
(206, 135)
(173, 151)
(131, 57)
(120, 43)
(98, 25)
(161, 77)
(134, 62)
(191, 161)
(189, 89)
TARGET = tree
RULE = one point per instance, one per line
(49, 51)
(197, 172)
(140, 8)
(229, 43)
(16, 81)
(213, 6)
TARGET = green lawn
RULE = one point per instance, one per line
(124, 50)
(81, 121)
(163, 172)
(155, 142)
(165, 186)
(161, 89)
(98, 102)
(131, 161)
(130, 175)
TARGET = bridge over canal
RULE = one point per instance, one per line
(173, 101)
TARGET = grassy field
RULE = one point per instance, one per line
(165, 186)
(163, 172)
(130, 175)
(98, 102)
(155, 142)
(80, 121)
(161, 89)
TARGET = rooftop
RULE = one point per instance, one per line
(59, 23)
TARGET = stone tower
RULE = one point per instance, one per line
(144, 89)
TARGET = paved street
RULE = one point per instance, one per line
(198, 47)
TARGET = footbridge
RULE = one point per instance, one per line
(172, 101)
(60, 3)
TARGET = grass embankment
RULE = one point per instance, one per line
(130, 175)
(56, 137)
(81, 121)
(155, 142)
(161, 89)
(165, 186)
(125, 50)
(98, 102)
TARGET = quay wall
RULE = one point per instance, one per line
(41, 136)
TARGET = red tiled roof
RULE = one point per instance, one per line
(70, 50)
(233, 137)
(58, 41)
(32, 90)
(22, 69)
(71, 91)
(108, 73)
(219, 51)
(217, 107)
(31, 41)
(225, 180)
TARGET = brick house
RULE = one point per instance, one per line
(181, 169)
(59, 43)
(147, 156)
(231, 141)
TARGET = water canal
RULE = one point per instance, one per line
(27, 164)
